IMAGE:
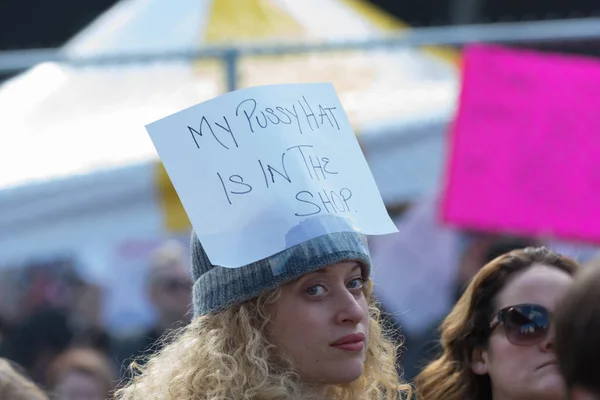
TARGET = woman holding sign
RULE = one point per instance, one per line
(301, 324)
(498, 341)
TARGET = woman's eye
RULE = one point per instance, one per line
(315, 290)
(356, 283)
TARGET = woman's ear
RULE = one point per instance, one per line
(479, 361)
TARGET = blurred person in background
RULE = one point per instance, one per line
(498, 341)
(81, 374)
(577, 321)
(14, 385)
(479, 249)
(170, 292)
(9, 311)
(85, 310)
(50, 307)
(38, 340)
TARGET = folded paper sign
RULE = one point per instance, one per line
(252, 164)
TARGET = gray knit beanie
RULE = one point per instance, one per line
(216, 287)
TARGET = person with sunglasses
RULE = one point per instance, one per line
(498, 340)
(578, 335)
(169, 289)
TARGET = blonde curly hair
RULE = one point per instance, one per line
(226, 356)
(14, 385)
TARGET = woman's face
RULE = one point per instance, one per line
(79, 386)
(321, 322)
(525, 372)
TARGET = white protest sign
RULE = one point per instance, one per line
(252, 164)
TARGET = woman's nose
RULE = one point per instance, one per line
(350, 311)
(548, 343)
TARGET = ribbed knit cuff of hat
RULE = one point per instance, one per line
(216, 288)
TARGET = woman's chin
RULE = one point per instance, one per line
(345, 374)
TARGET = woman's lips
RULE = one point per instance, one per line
(354, 342)
(356, 346)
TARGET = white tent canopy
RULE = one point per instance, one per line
(60, 121)
(78, 172)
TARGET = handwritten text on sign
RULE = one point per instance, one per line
(525, 148)
(250, 165)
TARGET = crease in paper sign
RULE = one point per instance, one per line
(251, 165)
(525, 148)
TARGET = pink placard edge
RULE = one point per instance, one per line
(450, 163)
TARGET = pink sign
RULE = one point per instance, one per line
(524, 154)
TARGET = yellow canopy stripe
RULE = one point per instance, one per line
(241, 20)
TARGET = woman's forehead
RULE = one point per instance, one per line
(539, 284)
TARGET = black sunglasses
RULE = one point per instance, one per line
(524, 324)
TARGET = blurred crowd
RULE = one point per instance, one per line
(51, 330)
